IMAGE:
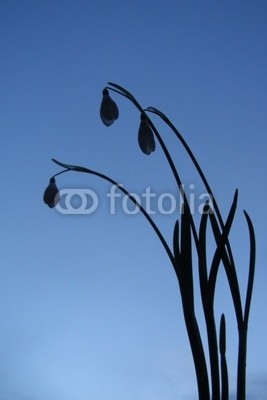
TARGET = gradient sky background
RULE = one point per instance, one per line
(90, 307)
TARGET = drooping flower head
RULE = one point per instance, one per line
(145, 136)
(51, 194)
(109, 111)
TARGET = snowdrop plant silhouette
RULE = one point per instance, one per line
(188, 238)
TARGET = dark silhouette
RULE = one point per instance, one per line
(187, 238)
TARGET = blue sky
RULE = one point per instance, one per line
(90, 307)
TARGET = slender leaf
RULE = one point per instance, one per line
(224, 371)
(176, 248)
(251, 267)
(186, 256)
(202, 261)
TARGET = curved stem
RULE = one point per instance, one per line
(191, 155)
(77, 168)
(61, 172)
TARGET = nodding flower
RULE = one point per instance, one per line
(51, 194)
(109, 111)
(145, 136)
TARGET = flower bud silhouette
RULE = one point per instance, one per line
(109, 111)
(51, 194)
(145, 136)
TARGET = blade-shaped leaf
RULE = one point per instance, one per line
(251, 267)
(176, 248)
(222, 335)
(186, 256)
(224, 371)
(202, 261)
